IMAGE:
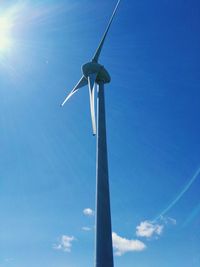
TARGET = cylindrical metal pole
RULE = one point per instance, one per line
(104, 250)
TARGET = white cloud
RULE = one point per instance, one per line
(88, 212)
(123, 245)
(87, 229)
(65, 243)
(149, 229)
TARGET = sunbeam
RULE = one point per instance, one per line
(6, 27)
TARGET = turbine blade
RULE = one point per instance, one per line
(82, 82)
(91, 80)
(98, 51)
(91, 83)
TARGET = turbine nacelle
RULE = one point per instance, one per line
(94, 68)
(93, 72)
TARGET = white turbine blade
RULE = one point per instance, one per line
(91, 80)
(98, 51)
(91, 83)
(83, 81)
(94, 115)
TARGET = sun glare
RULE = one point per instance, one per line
(18, 23)
(5, 34)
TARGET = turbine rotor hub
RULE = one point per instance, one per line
(94, 67)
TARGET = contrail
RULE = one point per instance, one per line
(180, 195)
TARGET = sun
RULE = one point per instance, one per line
(5, 33)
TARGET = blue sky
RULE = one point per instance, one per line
(47, 154)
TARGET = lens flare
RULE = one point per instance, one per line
(193, 215)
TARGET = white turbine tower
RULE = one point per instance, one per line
(95, 73)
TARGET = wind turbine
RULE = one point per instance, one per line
(95, 73)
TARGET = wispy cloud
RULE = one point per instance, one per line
(167, 220)
(8, 259)
(122, 245)
(65, 243)
(88, 212)
(86, 229)
(150, 229)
